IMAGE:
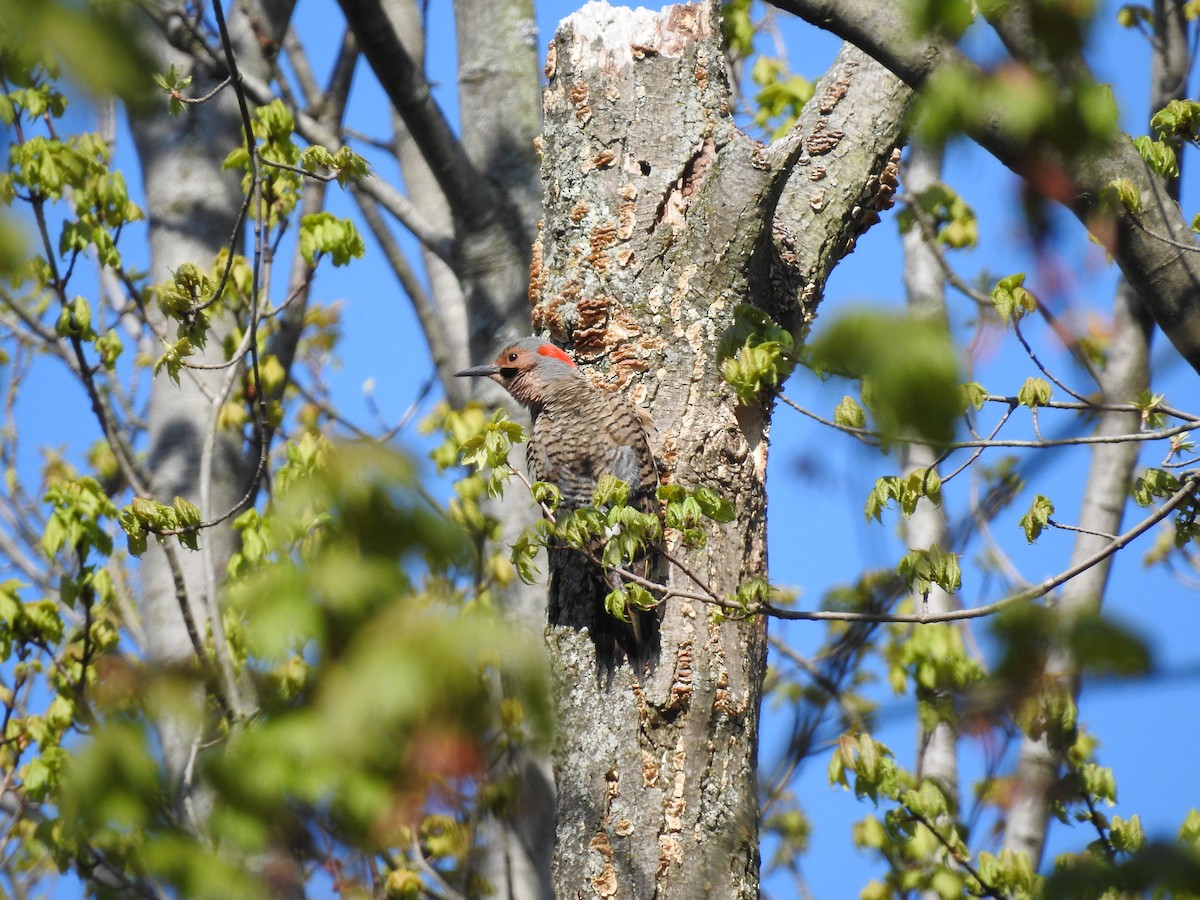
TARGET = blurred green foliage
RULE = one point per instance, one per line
(908, 367)
(377, 699)
(70, 34)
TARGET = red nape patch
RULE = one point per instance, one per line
(555, 353)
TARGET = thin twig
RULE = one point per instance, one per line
(1185, 492)
(1078, 530)
(873, 438)
(955, 853)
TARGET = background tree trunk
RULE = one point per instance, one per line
(1123, 379)
(192, 206)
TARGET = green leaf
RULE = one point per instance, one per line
(1104, 648)
(345, 165)
(1159, 156)
(921, 483)
(173, 358)
(738, 28)
(974, 394)
(848, 414)
(671, 493)
(755, 353)
(325, 234)
(713, 505)
(1127, 836)
(546, 494)
(1034, 392)
(753, 593)
(921, 569)
(616, 603)
(639, 597)
(887, 489)
(1154, 483)
(1122, 193)
(1011, 299)
(1036, 518)
(1189, 831)
(610, 491)
(948, 18)
(780, 97)
(1132, 15)
(1179, 118)
(276, 121)
(954, 222)
(109, 346)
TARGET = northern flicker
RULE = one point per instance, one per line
(581, 433)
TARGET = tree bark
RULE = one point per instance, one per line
(659, 220)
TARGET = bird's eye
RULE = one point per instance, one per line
(512, 357)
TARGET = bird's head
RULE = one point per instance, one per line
(526, 369)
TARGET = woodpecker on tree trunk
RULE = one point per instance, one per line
(581, 433)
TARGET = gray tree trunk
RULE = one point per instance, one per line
(1106, 494)
(659, 219)
(925, 283)
(192, 206)
(477, 300)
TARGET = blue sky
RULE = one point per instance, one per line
(818, 480)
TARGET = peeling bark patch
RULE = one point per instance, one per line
(833, 94)
(724, 701)
(578, 211)
(627, 214)
(549, 316)
(821, 141)
(681, 686)
(602, 237)
(601, 160)
(670, 844)
(551, 60)
(672, 207)
(675, 809)
(605, 328)
(877, 196)
(537, 271)
(672, 852)
(604, 879)
(649, 769)
(628, 354)
(612, 784)
(579, 96)
(588, 334)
